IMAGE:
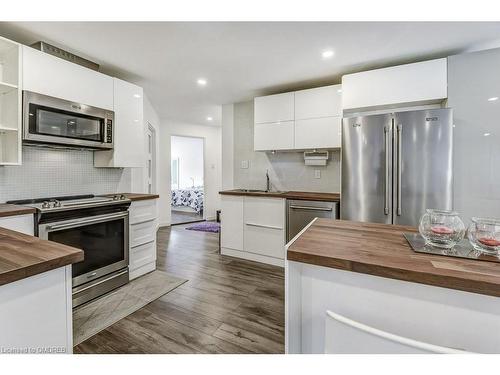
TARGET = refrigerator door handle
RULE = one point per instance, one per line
(387, 168)
(399, 165)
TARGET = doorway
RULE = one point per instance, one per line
(187, 179)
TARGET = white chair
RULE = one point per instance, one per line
(346, 336)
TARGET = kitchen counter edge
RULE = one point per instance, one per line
(300, 195)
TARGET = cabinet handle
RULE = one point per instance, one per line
(311, 208)
(263, 226)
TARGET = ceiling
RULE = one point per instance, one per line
(241, 60)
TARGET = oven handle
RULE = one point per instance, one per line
(81, 222)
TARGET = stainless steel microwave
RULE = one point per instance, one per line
(61, 123)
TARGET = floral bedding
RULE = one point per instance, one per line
(188, 197)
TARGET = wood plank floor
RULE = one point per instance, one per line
(227, 306)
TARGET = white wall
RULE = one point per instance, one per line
(138, 175)
(189, 151)
(213, 165)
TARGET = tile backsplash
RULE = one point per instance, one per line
(53, 172)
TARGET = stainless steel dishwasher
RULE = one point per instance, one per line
(300, 213)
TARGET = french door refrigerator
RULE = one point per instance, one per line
(396, 165)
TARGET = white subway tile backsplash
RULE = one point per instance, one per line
(52, 172)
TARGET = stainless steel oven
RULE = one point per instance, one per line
(52, 121)
(97, 225)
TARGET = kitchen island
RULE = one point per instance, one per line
(368, 273)
(35, 290)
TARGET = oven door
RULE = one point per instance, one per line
(62, 122)
(103, 239)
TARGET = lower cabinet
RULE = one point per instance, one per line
(143, 225)
(19, 223)
(253, 228)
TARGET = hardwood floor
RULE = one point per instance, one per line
(227, 306)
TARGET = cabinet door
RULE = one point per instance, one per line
(318, 133)
(50, 75)
(318, 102)
(232, 222)
(274, 108)
(129, 130)
(264, 231)
(423, 82)
(274, 136)
(19, 223)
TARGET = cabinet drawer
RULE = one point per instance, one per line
(141, 211)
(142, 233)
(20, 223)
(264, 241)
(274, 136)
(318, 133)
(265, 211)
(142, 254)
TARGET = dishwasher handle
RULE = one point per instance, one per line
(310, 208)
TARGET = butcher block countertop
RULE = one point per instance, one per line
(136, 196)
(22, 256)
(301, 195)
(14, 210)
(381, 250)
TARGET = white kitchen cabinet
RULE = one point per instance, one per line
(274, 108)
(143, 224)
(129, 130)
(253, 228)
(232, 222)
(36, 314)
(321, 132)
(53, 76)
(323, 101)
(417, 83)
(19, 223)
(10, 102)
(274, 136)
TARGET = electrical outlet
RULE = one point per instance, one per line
(317, 173)
(244, 164)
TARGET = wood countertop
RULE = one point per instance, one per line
(381, 250)
(136, 196)
(22, 255)
(301, 195)
(14, 210)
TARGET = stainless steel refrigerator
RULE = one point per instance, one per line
(396, 165)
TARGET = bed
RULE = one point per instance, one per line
(189, 198)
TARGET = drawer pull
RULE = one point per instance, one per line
(311, 208)
(263, 226)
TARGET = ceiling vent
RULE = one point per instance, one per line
(65, 55)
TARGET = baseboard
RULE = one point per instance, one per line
(254, 257)
(165, 224)
(149, 267)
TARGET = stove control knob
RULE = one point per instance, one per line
(116, 197)
(56, 203)
(45, 204)
(122, 197)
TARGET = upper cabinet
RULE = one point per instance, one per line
(10, 102)
(274, 108)
(50, 75)
(129, 131)
(299, 120)
(319, 102)
(418, 83)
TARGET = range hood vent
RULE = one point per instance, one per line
(65, 55)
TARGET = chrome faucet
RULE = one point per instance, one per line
(268, 182)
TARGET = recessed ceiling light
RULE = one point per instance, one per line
(339, 90)
(137, 96)
(201, 82)
(209, 118)
(487, 134)
(327, 54)
(493, 99)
